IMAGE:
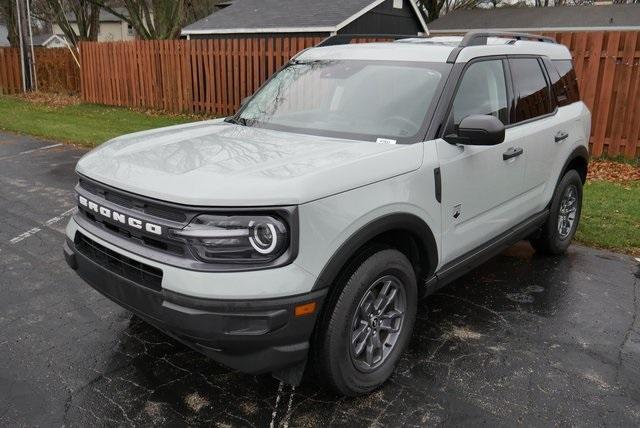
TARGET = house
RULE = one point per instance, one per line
(619, 17)
(50, 41)
(4, 33)
(112, 28)
(246, 18)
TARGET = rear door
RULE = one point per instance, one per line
(540, 126)
(479, 186)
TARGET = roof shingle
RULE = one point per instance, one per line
(623, 15)
(273, 14)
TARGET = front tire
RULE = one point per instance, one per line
(367, 324)
(556, 234)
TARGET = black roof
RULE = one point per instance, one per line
(561, 17)
(258, 15)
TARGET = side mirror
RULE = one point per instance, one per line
(478, 130)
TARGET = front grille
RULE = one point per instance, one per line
(160, 243)
(140, 273)
(155, 212)
(128, 201)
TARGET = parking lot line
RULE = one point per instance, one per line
(35, 230)
(26, 152)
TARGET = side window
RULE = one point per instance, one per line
(483, 90)
(530, 88)
(558, 91)
(568, 80)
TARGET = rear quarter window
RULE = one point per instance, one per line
(566, 88)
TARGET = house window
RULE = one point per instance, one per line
(130, 30)
(397, 4)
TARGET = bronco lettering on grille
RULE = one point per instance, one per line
(119, 217)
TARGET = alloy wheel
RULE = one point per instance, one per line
(377, 323)
(567, 212)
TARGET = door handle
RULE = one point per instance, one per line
(561, 136)
(512, 152)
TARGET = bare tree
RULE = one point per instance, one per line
(158, 19)
(434, 8)
(9, 17)
(84, 14)
(151, 19)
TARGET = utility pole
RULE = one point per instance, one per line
(26, 53)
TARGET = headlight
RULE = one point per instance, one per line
(236, 238)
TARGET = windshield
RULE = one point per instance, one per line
(367, 100)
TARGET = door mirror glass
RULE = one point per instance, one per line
(478, 130)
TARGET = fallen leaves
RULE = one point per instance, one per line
(50, 100)
(617, 172)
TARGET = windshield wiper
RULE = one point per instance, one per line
(236, 121)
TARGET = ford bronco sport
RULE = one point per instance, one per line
(358, 178)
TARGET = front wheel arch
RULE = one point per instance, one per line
(405, 232)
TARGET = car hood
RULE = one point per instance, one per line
(214, 163)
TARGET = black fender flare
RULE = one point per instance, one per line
(578, 152)
(397, 221)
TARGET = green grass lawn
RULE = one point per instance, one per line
(611, 216)
(85, 124)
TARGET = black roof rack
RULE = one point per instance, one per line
(476, 38)
(471, 38)
(345, 39)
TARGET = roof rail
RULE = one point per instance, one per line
(475, 38)
(345, 39)
(478, 38)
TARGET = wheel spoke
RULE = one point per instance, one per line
(360, 346)
(359, 332)
(389, 299)
(391, 315)
(366, 307)
(375, 340)
(369, 354)
(389, 328)
(382, 295)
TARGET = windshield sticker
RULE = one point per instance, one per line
(385, 141)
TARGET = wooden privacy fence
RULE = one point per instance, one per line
(57, 71)
(196, 76)
(10, 80)
(608, 68)
(55, 68)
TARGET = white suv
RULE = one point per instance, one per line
(358, 178)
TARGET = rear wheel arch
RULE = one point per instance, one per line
(579, 161)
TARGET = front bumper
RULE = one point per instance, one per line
(253, 336)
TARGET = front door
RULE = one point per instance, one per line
(480, 186)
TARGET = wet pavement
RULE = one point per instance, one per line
(522, 340)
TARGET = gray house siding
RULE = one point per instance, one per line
(385, 19)
(3, 36)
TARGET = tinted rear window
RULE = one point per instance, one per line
(531, 89)
(566, 89)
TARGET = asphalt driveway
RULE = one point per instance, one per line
(522, 340)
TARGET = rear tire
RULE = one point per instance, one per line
(367, 324)
(564, 215)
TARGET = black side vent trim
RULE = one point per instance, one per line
(437, 178)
